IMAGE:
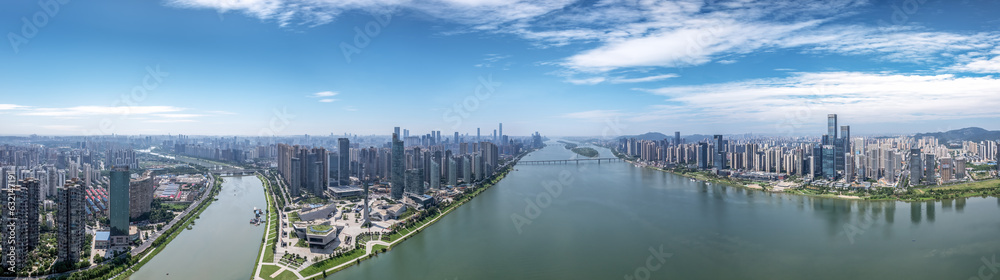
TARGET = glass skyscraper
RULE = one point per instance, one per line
(119, 200)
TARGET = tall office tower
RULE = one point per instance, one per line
(817, 162)
(501, 132)
(829, 162)
(396, 131)
(719, 157)
(70, 223)
(831, 127)
(141, 195)
(20, 221)
(930, 166)
(452, 172)
(916, 166)
(397, 178)
(344, 175)
(702, 155)
(478, 136)
(677, 138)
(477, 161)
(455, 140)
(119, 200)
(414, 181)
(438, 137)
(435, 175)
(333, 169)
(295, 177)
(313, 177)
(467, 169)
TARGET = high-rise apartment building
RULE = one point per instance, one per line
(70, 222)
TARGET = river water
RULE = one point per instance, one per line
(618, 221)
(222, 244)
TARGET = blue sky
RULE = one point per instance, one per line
(558, 67)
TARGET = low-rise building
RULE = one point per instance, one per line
(318, 235)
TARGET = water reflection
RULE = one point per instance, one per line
(930, 211)
(915, 212)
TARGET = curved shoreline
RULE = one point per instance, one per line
(796, 191)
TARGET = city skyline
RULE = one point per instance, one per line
(257, 68)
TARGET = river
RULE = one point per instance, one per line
(618, 221)
(222, 244)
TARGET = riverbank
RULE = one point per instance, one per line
(990, 187)
(387, 242)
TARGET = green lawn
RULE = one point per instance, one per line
(330, 263)
(267, 270)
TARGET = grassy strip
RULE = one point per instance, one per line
(272, 216)
(332, 262)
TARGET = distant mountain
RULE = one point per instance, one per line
(974, 134)
(655, 136)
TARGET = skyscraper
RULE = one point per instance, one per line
(501, 132)
(414, 181)
(119, 200)
(20, 221)
(719, 159)
(478, 135)
(677, 138)
(397, 179)
(831, 126)
(435, 175)
(70, 224)
(702, 155)
(452, 172)
(916, 167)
(345, 161)
(140, 196)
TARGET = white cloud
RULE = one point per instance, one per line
(621, 80)
(587, 81)
(979, 65)
(11, 107)
(325, 94)
(327, 100)
(866, 97)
